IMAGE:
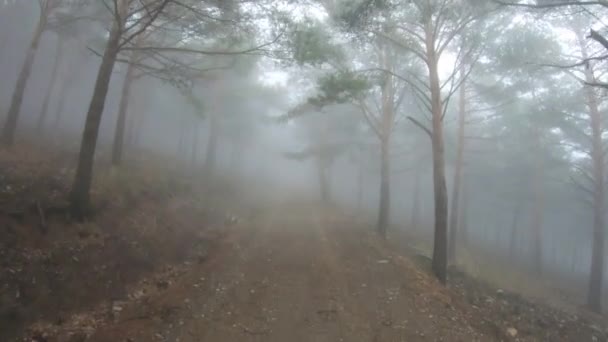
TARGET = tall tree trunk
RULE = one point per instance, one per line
(139, 122)
(195, 134)
(61, 107)
(80, 194)
(463, 216)
(130, 131)
(385, 190)
(66, 86)
(119, 132)
(49, 90)
(539, 208)
(211, 146)
(416, 200)
(181, 140)
(8, 132)
(458, 170)
(359, 184)
(388, 119)
(514, 230)
(440, 243)
(596, 273)
(596, 277)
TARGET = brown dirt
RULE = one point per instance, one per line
(293, 275)
(52, 267)
(160, 266)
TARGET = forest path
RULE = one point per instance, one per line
(296, 277)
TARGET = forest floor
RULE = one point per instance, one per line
(158, 263)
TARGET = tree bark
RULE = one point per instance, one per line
(458, 171)
(416, 201)
(596, 277)
(385, 190)
(80, 194)
(181, 141)
(440, 253)
(463, 215)
(359, 183)
(539, 203)
(514, 230)
(210, 155)
(195, 134)
(60, 107)
(596, 272)
(119, 132)
(49, 90)
(388, 120)
(10, 127)
(130, 131)
(66, 85)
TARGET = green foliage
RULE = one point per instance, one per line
(340, 87)
(312, 44)
(525, 44)
(355, 14)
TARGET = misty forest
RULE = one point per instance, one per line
(303, 170)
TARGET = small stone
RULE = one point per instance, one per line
(511, 332)
(116, 308)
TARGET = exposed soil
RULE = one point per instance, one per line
(53, 267)
(163, 266)
(293, 275)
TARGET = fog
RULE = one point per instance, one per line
(327, 101)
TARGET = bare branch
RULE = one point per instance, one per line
(566, 3)
(421, 126)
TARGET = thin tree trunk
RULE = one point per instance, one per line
(211, 146)
(416, 201)
(195, 134)
(596, 277)
(385, 190)
(596, 272)
(538, 207)
(61, 107)
(139, 122)
(181, 141)
(440, 243)
(49, 90)
(359, 184)
(63, 97)
(80, 194)
(514, 230)
(388, 109)
(123, 112)
(8, 132)
(119, 132)
(130, 131)
(66, 86)
(463, 216)
(458, 170)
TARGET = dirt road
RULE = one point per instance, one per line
(295, 278)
